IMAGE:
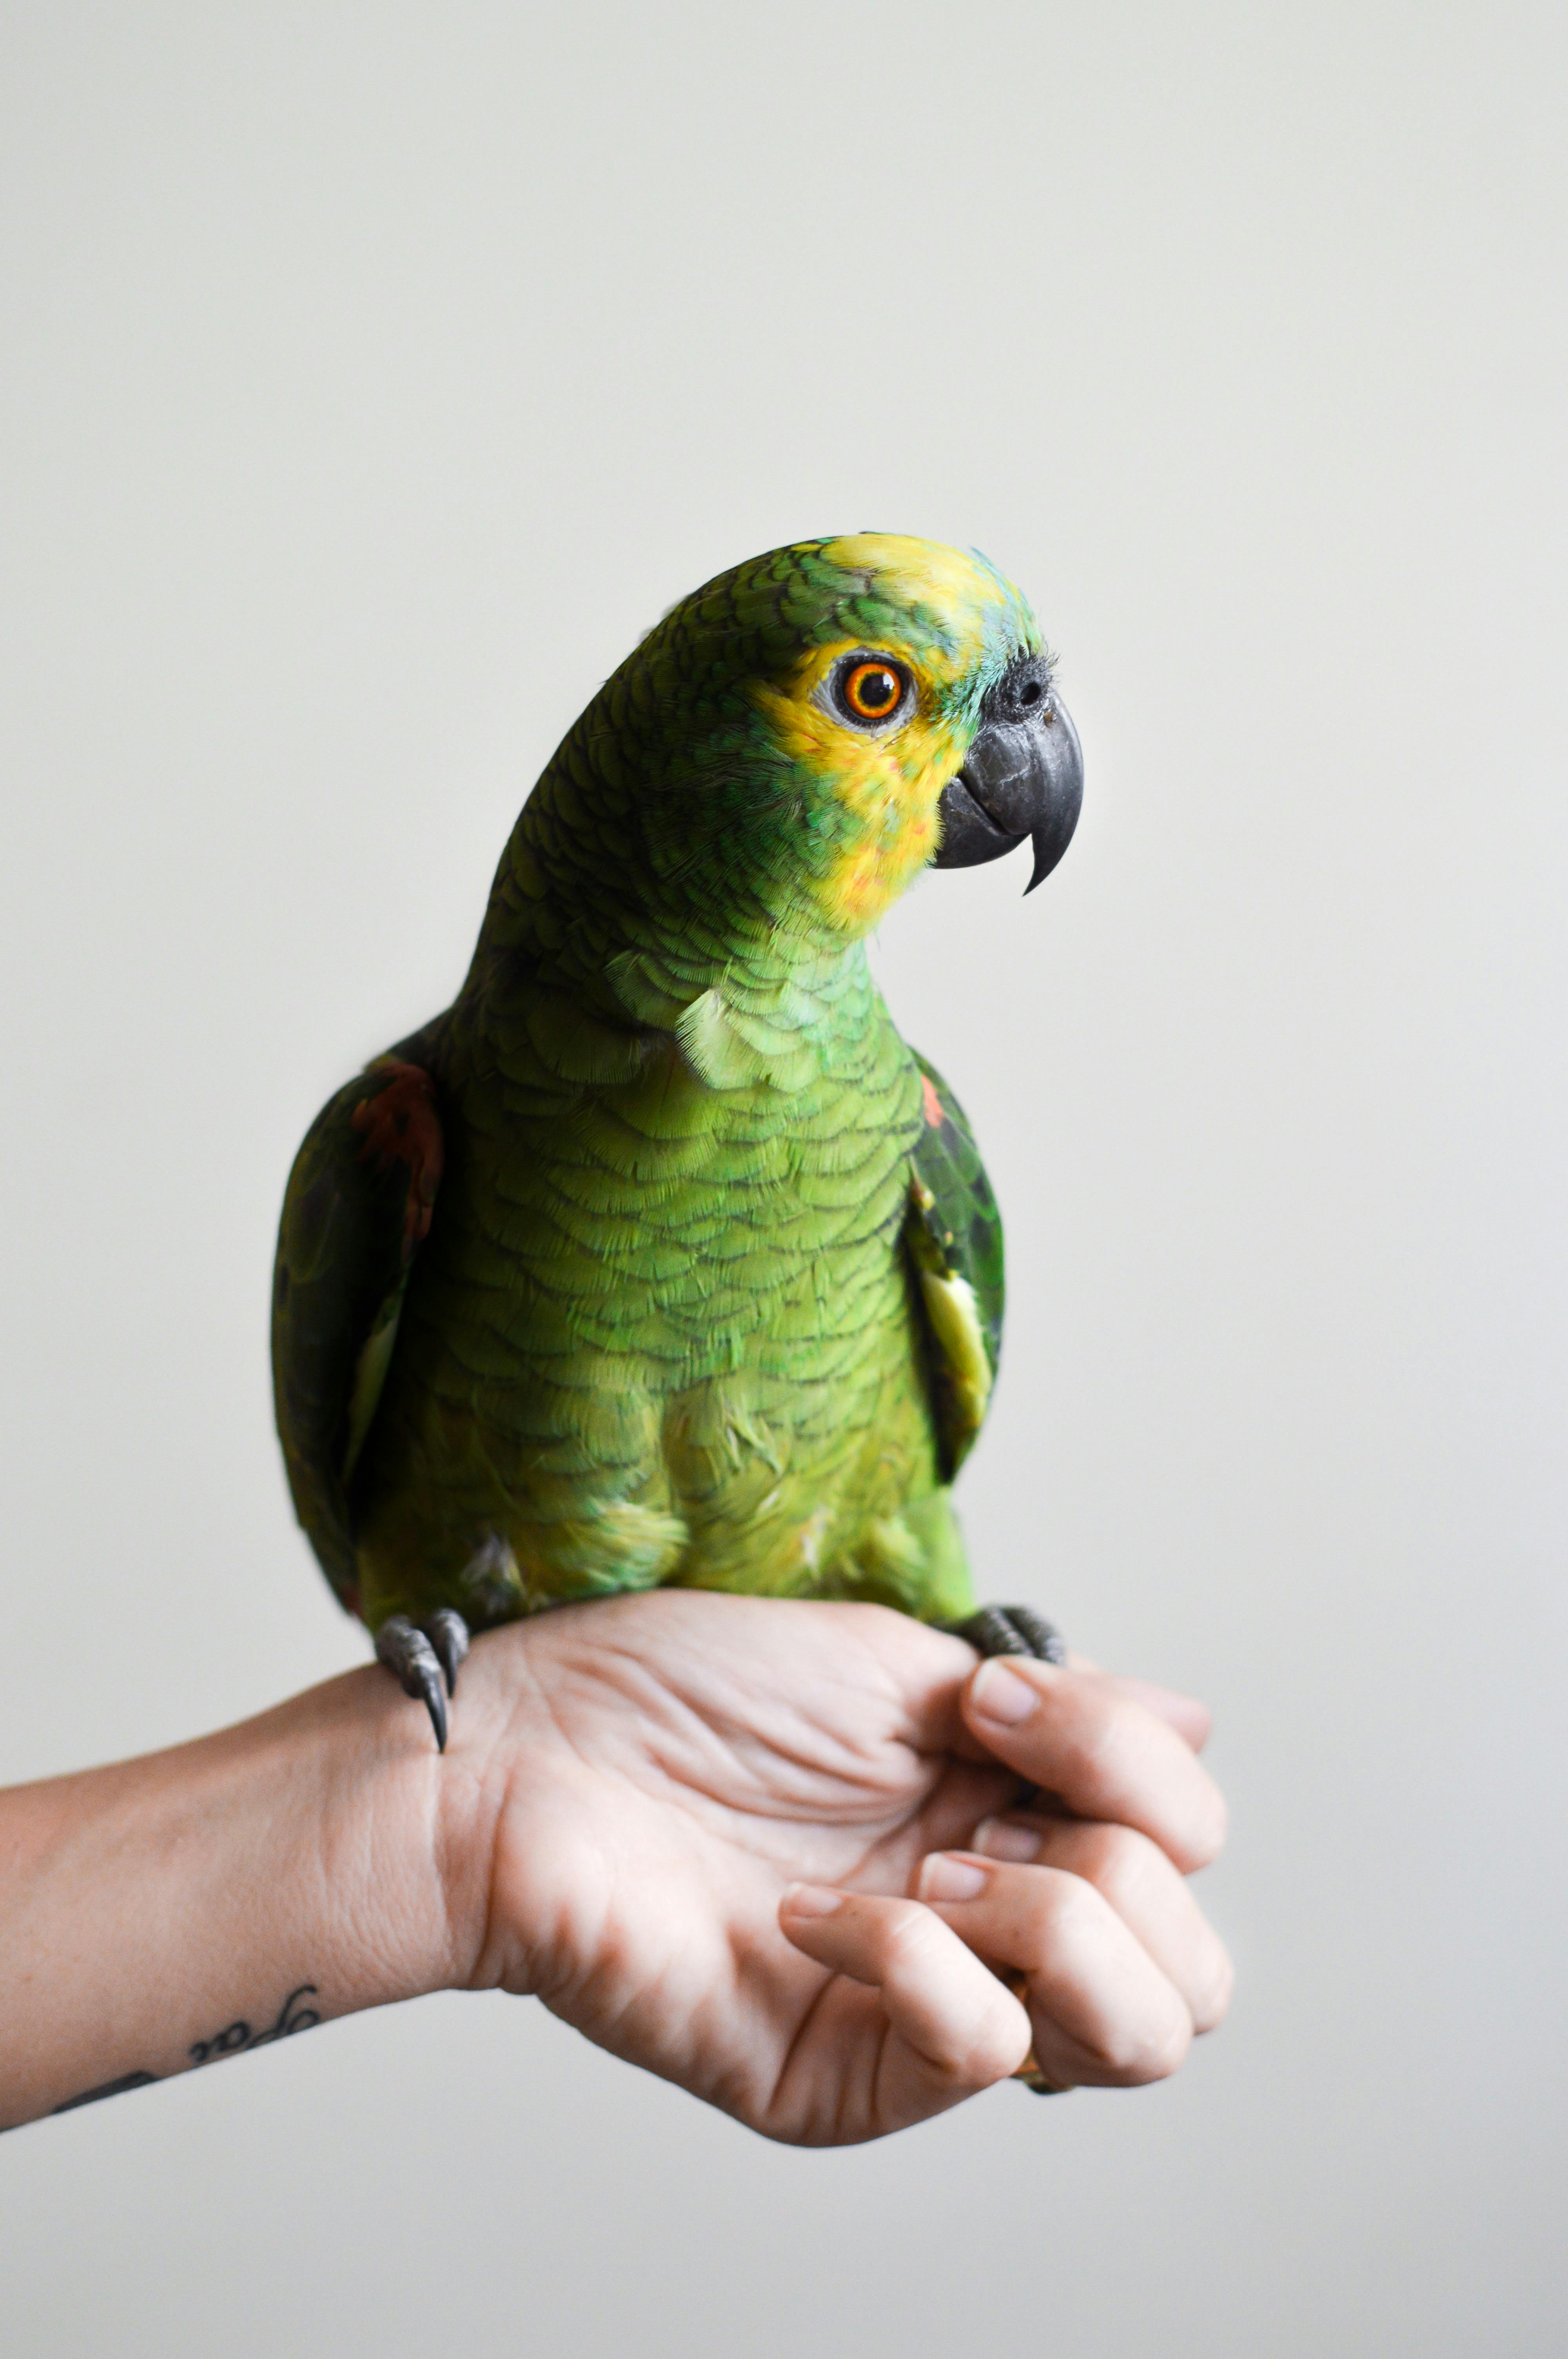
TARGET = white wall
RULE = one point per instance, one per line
(374, 374)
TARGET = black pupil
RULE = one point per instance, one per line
(877, 691)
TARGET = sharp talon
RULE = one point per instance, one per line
(435, 1703)
(448, 1634)
(413, 1662)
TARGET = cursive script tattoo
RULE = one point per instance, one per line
(237, 2036)
(107, 2089)
(232, 2040)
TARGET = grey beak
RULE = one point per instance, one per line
(1024, 775)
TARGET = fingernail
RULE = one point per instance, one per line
(1006, 1839)
(1000, 1694)
(810, 1900)
(947, 1876)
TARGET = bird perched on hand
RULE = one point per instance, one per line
(660, 1256)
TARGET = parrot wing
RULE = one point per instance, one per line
(953, 1234)
(356, 1209)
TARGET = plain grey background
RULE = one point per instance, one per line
(373, 376)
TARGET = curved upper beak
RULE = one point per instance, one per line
(1023, 774)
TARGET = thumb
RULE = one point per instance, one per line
(1101, 1748)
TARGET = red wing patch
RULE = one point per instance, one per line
(401, 1125)
(933, 1113)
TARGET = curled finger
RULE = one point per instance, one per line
(1147, 1892)
(1102, 2012)
(952, 2028)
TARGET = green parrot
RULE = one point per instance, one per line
(660, 1256)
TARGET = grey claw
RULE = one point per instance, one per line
(448, 1634)
(435, 1701)
(1043, 1639)
(1012, 1630)
(413, 1662)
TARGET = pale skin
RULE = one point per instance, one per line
(773, 1851)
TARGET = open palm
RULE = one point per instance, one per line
(654, 1774)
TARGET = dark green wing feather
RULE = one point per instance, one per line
(356, 1207)
(953, 1233)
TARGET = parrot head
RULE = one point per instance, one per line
(900, 711)
(797, 740)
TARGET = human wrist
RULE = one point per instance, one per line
(318, 1860)
(400, 1872)
(492, 1734)
(184, 1906)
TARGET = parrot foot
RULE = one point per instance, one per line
(1011, 1630)
(421, 1658)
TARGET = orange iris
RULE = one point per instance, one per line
(873, 691)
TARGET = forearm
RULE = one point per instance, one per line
(165, 1912)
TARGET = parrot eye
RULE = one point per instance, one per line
(870, 689)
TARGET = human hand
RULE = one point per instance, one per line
(646, 1781)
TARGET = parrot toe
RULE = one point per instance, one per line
(423, 1660)
(1011, 1630)
(448, 1634)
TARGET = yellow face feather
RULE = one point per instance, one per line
(889, 783)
